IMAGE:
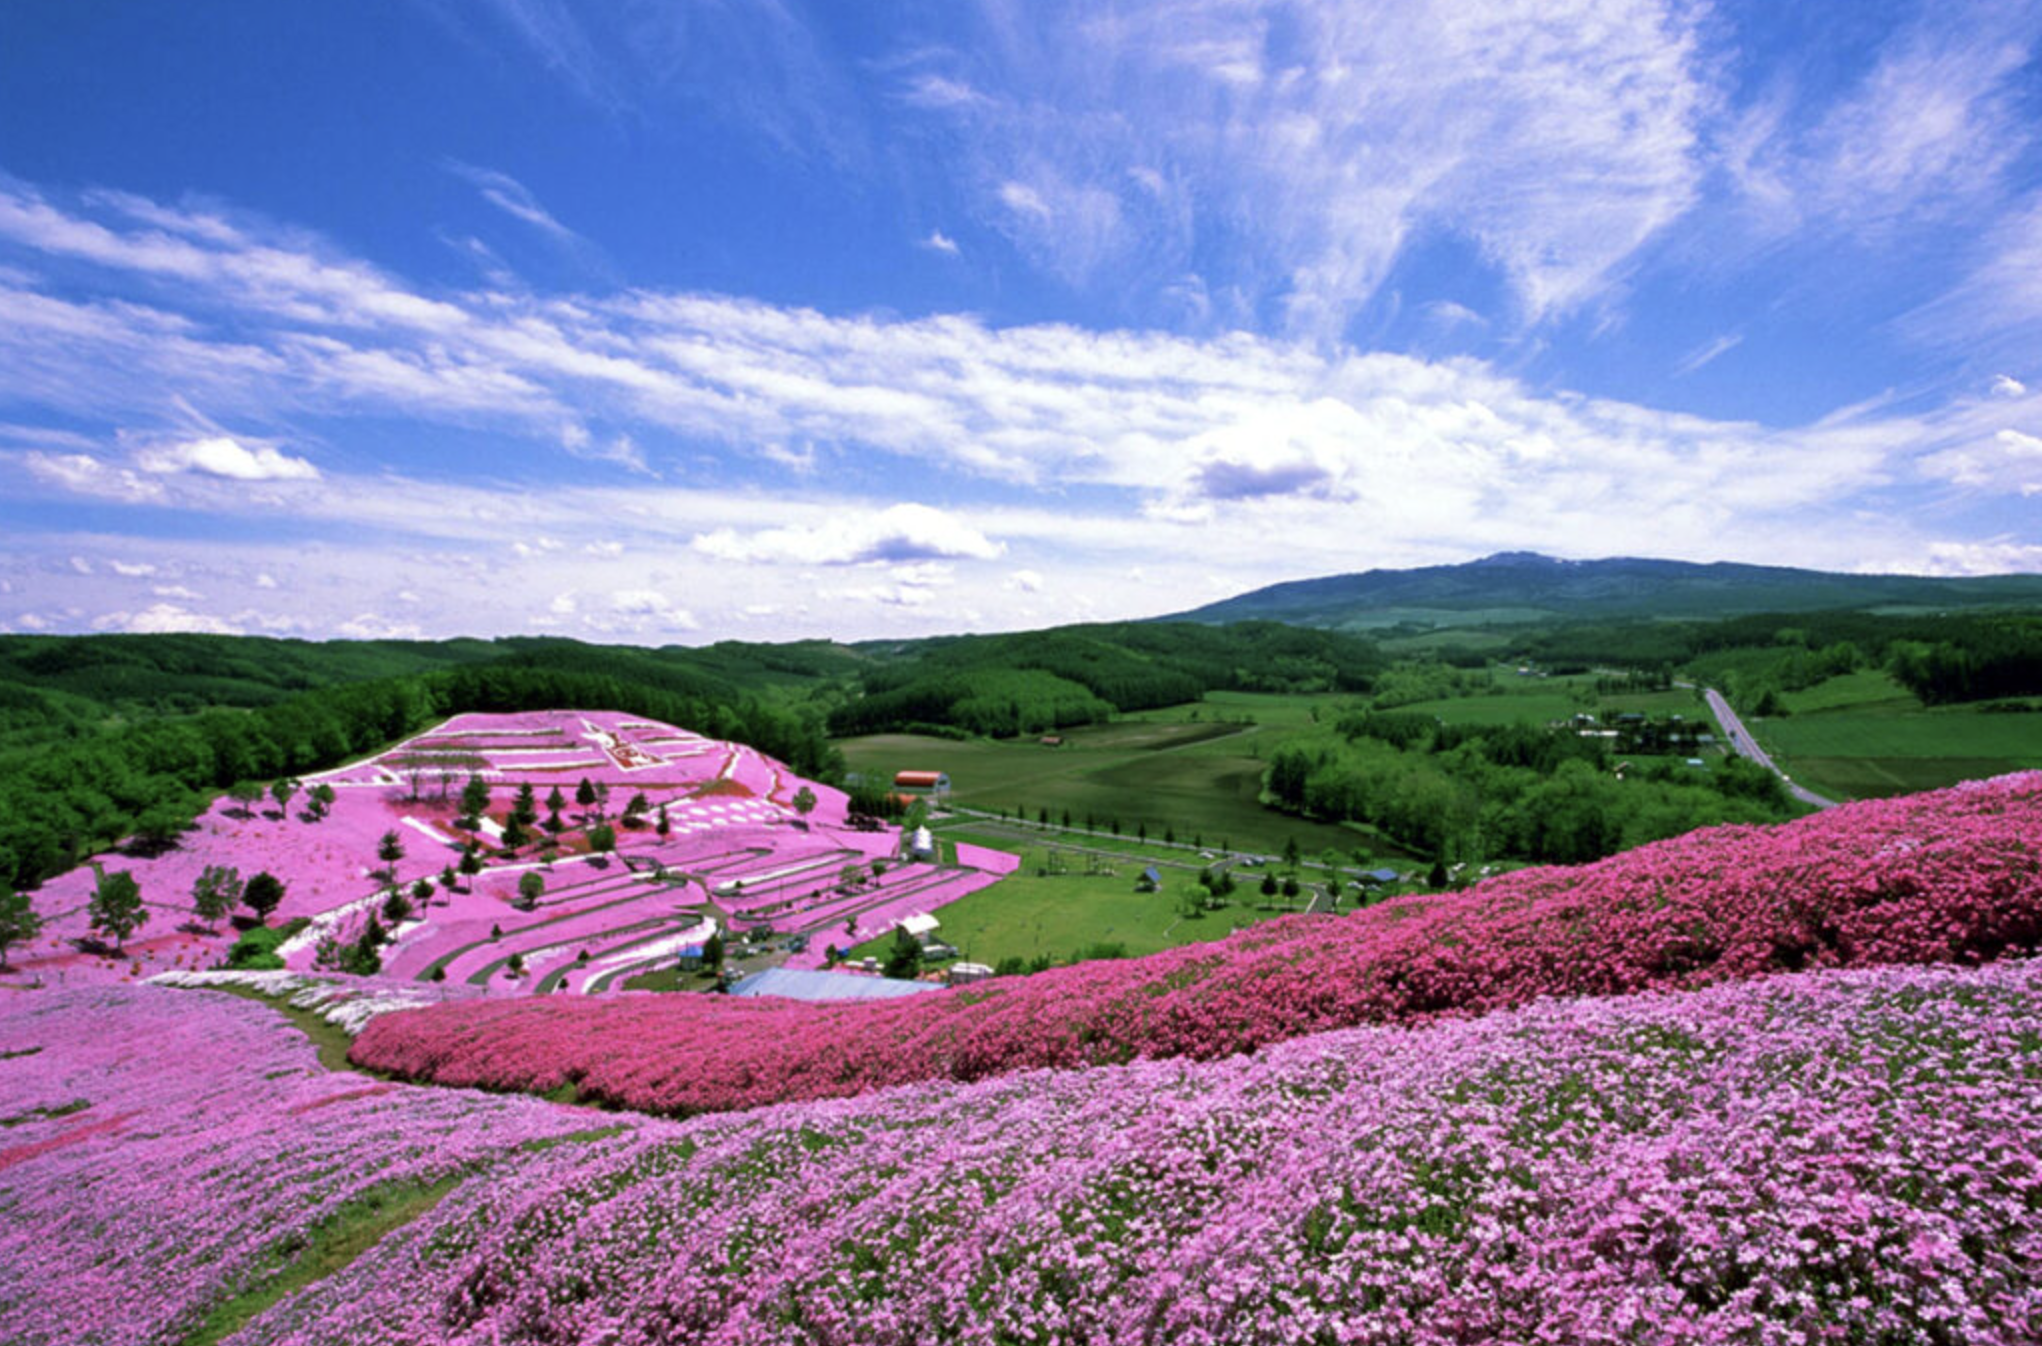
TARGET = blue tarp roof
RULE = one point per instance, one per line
(796, 984)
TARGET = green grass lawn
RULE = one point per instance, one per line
(1862, 735)
(1029, 914)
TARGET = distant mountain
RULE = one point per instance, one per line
(1525, 587)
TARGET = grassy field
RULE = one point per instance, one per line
(1059, 915)
(1198, 778)
(1862, 736)
(1514, 700)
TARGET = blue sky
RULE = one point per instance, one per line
(682, 322)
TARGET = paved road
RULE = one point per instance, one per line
(1747, 746)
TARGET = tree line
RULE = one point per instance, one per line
(62, 802)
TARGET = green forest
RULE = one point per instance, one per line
(118, 754)
(1035, 681)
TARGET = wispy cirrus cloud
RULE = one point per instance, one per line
(1323, 137)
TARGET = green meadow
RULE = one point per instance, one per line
(1862, 735)
(1033, 914)
(1195, 779)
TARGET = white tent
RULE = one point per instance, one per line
(920, 924)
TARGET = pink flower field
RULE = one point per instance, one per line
(1948, 877)
(731, 817)
(1828, 1156)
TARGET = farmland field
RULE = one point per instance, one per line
(1862, 736)
(1199, 779)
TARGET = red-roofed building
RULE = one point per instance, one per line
(933, 782)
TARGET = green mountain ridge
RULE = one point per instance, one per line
(1526, 588)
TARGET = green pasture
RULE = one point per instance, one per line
(1515, 699)
(1030, 914)
(1861, 736)
(1196, 778)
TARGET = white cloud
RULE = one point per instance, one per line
(132, 569)
(1921, 138)
(177, 591)
(1707, 352)
(369, 626)
(167, 619)
(906, 532)
(938, 241)
(1027, 581)
(511, 197)
(224, 456)
(2005, 385)
(1317, 138)
(265, 581)
(86, 475)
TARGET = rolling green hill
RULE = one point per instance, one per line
(1524, 588)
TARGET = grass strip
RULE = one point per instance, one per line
(333, 1244)
(329, 1039)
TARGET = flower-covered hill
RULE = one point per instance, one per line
(640, 838)
(1951, 876)
(1832, 1156)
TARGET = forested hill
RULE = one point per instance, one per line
(1036, 680)
(106, 738)
(1524, 587)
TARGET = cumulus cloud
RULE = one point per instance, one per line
(370, 626)
(2005, 385)
(167, 619)
(938, 241)
(132, 569)
(224, 456)
(907, 532)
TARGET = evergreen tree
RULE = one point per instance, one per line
(903, 956)
(526, 807)
(390, 849)
(474, 802)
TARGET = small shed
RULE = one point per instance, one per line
(960, 973)
(1375, 878)
(920, 925)
(933, 782)
(922, 844)
(1151, 880)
